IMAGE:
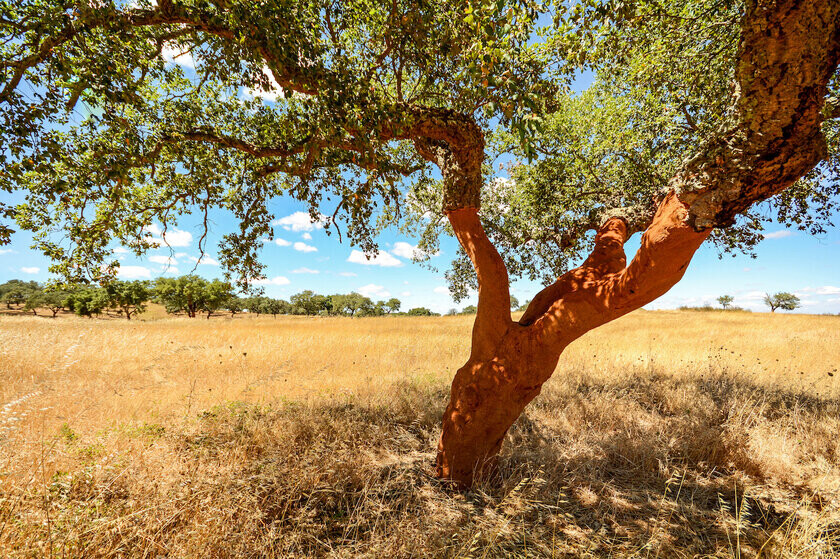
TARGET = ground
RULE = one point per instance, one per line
(663, 434)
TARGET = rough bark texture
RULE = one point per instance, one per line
(511, 360)
(789, 51)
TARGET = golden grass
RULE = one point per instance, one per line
(663, 434)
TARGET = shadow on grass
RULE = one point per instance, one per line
(656, 467)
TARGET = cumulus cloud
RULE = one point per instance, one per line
(300, 221)
(406, 250)
(382, 259)
(372, 290)
(207, 260)
(30, 269)
(176, 55)
(307, 236)
(276, 280)
(134, 272)
(282, 242)
(7, 251)
(348, 274)
(271, 94)
(172, 238)
(120, 250)
(827, 290)
(305, 271)
(162, 259)
(303, 247)
(778, 234)
(441, 290)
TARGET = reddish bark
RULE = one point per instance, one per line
(510, 360)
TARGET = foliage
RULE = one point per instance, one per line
(16, 292)
(129, 297)
(183, 294)
(725, 300)
(420, 311)
(782, 300)
(87, 301)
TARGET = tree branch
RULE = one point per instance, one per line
(492, 319)
(789, 51)
(599, 292)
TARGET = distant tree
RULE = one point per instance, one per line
(271, 306)
(782, 300)
(392, 305)
(357, 304)
(182, 294)
(216, 293)
(469, 309)
(33, 301)
(451, 312)
(419, 311)
(252, 305)
(87, 301)
(524, 306)
(514, 302)
(725, 300)
(129, 297)
(55, 300)
(15, 292)
(234, 305)
(306, 302)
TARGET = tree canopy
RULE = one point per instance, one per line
(373, 107)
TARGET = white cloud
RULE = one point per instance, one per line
(307, 236)
(406, 293)
(382, 259)
(828, 290)
(300, 221)
(134, 272)
(373, 290)
(276, 280)
(282, 242)
(7, 251)
(176, 55)
(348, 274)
(271, 94)
(30, 270)
(442, 290)
(170, 270)
(406, 250)
(173, 238)
(778, 234)
(207, 260)
(303, 247)
(305, 271)
(120, 250)
(162, 259)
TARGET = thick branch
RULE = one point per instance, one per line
(599, 291)
(789, 51)
(607, 257)
(492, 319)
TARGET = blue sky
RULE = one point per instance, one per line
(302, 256)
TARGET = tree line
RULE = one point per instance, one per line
(192, 296)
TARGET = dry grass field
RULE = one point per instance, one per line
(664, 434)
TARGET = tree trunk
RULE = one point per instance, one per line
(510, 361)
